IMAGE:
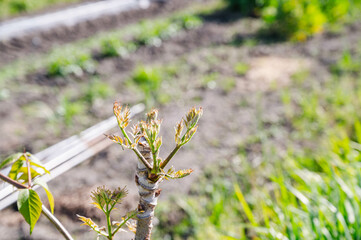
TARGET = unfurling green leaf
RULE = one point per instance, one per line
(125, 220)
(179, 174)
(190, 134)
(88, 222)
(29, 205)
(44, 185)
(24, 175)
(121, 141)
(10, 160)
(152, 115)
(18, 161)
(15, 168)
(158, 144)
(122, 115)
(192, 117)
(178, 131)
(105, 199)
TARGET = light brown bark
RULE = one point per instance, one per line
(148, 192)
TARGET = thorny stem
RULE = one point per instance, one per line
(12, 182)
(166, 161)
(56, 223)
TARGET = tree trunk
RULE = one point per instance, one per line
(148, 192)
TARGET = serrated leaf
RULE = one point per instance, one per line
(9, 160)
(29, 205)
(44, 185)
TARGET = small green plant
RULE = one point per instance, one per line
(227, 84)
(152, 33)
(106, 200)
(149, 80)
(68, 109)
(96, 90)
(146, 143)
(241, 68)
(71, 64)
(189, 21)
(348, 64)
(113, 47)
(296, 19)
(18, 6)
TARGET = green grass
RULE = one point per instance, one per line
(309, 188)
(15, 7)
(76, 64)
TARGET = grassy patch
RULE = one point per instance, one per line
(306, 188)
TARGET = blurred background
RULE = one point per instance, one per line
(277, 153)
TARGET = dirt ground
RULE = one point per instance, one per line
(230, 114)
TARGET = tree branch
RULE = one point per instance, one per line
(12, 182)
(166, 161)
(56, 223)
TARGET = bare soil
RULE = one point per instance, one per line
(231, 114)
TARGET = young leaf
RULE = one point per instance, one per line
(88, 222)
(11, 159)
(125, 219)
(24, 175)
(29, 206)
(15, 169)
(39, 165)
(179, 174)
(44, 185)
(122, 115)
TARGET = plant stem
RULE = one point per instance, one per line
(141, 158)
(121, 225)
(166, 161)
(45, 211)
(29, 170)
(56, 223)
(12, 182)
(148, 192)
(110, 236)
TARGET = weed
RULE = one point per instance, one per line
(241, 68)
(114, 47)
(210, 80)
(348, 64)
(189, 21)
(69, 109)
(96, 90)
(296, 20)
(149, 80)
(227, 84)
(152, 33)
(73, 64)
